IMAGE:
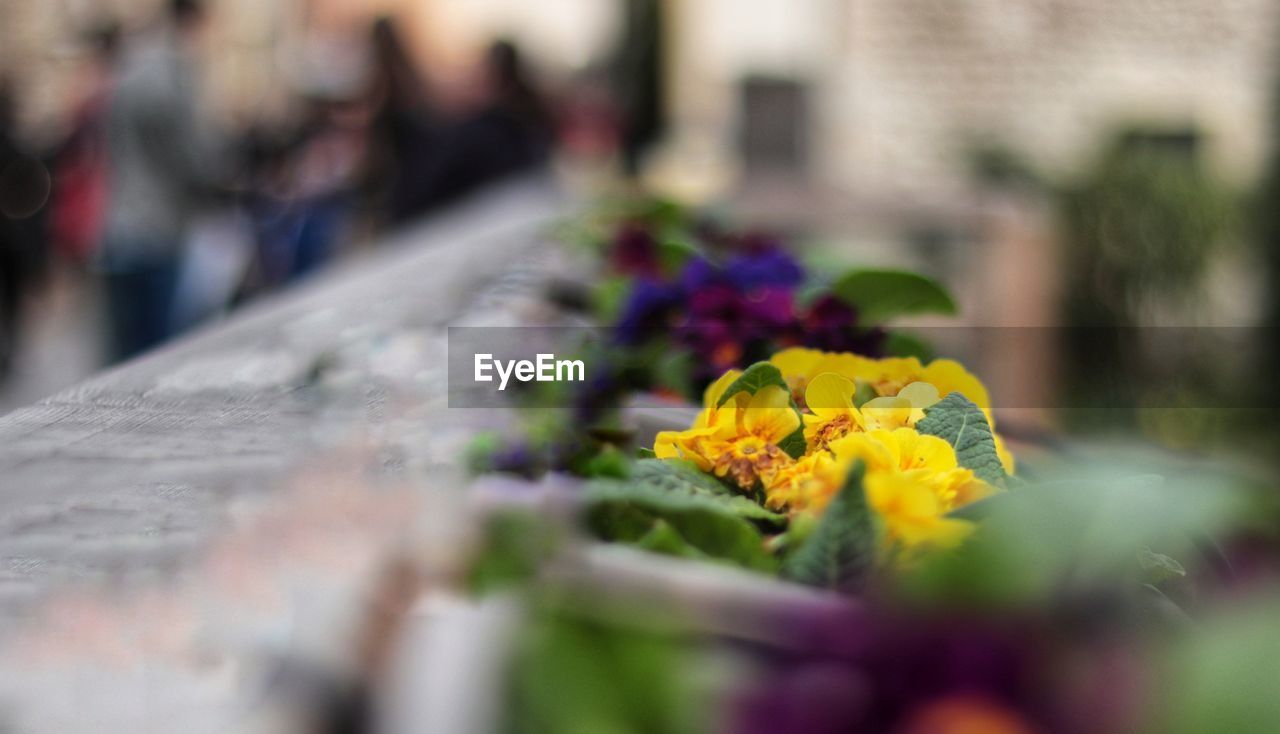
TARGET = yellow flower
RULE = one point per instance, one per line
(895, 376)
(911, 483)
(901, 449)
(911, 512)
(739, 439)
(807, 484)
(760, 422)
(928, 460)
(892, 377)
(950, 376)
(902, 410)
(889, 376)
(713, 421)
(832, 415)
(799, 366)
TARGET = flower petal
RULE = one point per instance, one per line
(869, 447)
(770, 415)
(920, 394)
(950, 376)
(829, 395)
(715, 390)
(887, 413)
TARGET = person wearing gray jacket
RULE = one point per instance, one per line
(160, 173)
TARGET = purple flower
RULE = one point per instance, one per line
(725, 325)
(746, 272)
(770, 268)
(832, 325)
(650, 307)
(634, 251)
(811, 698)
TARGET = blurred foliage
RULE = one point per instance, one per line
(881, 295)
(672, 508)
(1141, 226)
(1138, 234)
(671, 484)
(513, 548)
(1110, 550)
(575, 673)
(694, 532)
(594, 230)
(1105, 522)
(839, 552)
(1266, 229)
(1224, 677)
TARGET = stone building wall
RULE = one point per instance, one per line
(918, 81)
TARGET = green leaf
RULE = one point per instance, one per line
(1158, 568)
(620, 521)
(574, 672)
(669, 484)
(756, 377)
(880, 295)
(704, 518)
(673, 370)
(725, 537)
(1157, 608)
(899, 344)
(794, 445)
(645, 452)
(840, 552)
(608, 462)
(665, 539)
(863, 394)
(674, 252)
(983, 508)
(689, 531)
(962, 424)
(479, 453)
(798, 531)
(1084, 521)
(515, 546)
(609, 296)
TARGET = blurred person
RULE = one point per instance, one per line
(80, 167)
(404, 133)
(638, 81)
(24, 190)
(301, 195)
(161, 175)
(590, 124)
(512, 131)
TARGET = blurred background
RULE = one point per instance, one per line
(1056, 163)
(1097, 183)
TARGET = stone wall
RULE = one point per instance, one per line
(918, 81)
(904, 88)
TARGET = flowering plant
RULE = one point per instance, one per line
(849, 463)
(1101, 589)
(718, 298)
(684, 301)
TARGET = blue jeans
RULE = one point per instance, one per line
(141, 294)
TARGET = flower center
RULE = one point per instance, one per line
(835, 428)
(748, 460)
